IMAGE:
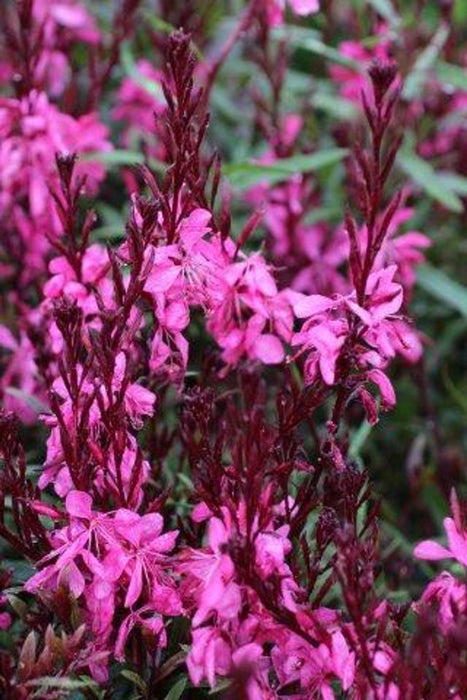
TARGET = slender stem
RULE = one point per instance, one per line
(241, 26)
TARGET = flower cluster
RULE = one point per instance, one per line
(32, 131)
(232, 625)
(446, 592)
(110, 561)
(189, 496)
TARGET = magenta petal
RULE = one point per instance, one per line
(304, 7)
(78, 505)
(431, 551)
(75, 580)
(268, 349)
(384, 385)
(305, 306)
(194, 227)
(136, 585)
(457, 542)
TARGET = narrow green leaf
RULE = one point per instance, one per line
(424, 62)
(62, 683)
(158, 23)
(429, 180)
(452, 75)
(385, 9)
(334, 105)
(310, 40)
(359, 438)
(176, 690)
(436, 503)
(108, 233)
(244, 175)
(116, 157)
(136, 679)
(456, 394)
(457, 183)
(110, 215)
(445, 289)
(221, 685)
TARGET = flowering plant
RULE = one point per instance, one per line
(214, 287)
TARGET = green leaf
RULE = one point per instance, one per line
(457, 183)
(112, 223)
(424, 62)
(158, 23)
(176, 690)
(445, 289)
(62, 683)
(136, 679)
(334, 105)
(310, 40)
(110, 215)
(435, 502)
(108, 233)
(386, 10)
(460, 13)
(244, 175)
(119, 156)
(358, 439)
(323, 214)
(456, 393)
(221, 685)
(449, 74)
(434, 184)
(18, 605)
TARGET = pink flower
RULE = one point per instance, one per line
(304, 7)
(94, 266)
(70, 15)
(20, 388)
(191, 261)
(214, 570)
(404, 250)
(450, 596)
(249, 664)
(328, 328)
(275, 9)
(315, 668)
(138, 401)
(110, 561)
(321, 336)
(457, 545)
(138, 103)
(146, 620)
(210, 656)
(32, 132)
(252, 317)
(61, 24)
(5, 621)
(385, 387)
(383, 297)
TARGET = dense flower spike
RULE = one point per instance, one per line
(191, 369)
